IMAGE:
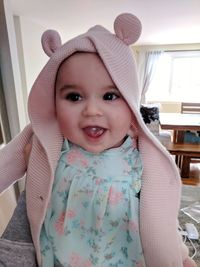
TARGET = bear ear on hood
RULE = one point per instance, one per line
(128, 28)
(51, 41)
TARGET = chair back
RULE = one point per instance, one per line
(190, 107)
(191, 136)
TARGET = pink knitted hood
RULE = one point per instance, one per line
(113, 50)
(160, 191)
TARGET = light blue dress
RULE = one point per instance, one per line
(92, 219)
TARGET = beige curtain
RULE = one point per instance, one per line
(147, 63)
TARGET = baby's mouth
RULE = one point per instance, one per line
(94, 131)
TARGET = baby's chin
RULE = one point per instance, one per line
(96, 145)
(97, 149)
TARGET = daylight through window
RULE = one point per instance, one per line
(177, 78)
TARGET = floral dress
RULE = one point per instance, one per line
(92, 218)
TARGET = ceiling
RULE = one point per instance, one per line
(164, 22)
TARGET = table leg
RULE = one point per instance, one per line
(185, 168)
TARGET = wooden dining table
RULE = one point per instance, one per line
(179, 123)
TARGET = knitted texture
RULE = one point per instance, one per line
(161, 183)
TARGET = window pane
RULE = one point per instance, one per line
(186, 79)
(177, 78)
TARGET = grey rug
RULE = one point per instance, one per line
(190, 194)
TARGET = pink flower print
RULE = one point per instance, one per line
(87, 263)
(139, 264)
(77, 261)
(74, 260)
(59, 225)
(72, 156)
(99, 221)
(84, 163)
(70, 214)
(114, 196)
(100, 190)
(132, 225)
(75, 156)
(98, 181)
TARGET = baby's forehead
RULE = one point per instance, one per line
(83, 67)
(82, 57)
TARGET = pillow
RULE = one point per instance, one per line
(192, 137)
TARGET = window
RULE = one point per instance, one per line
(177, 78)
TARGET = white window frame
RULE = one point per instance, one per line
(174, 55)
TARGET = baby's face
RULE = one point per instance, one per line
(90, 110)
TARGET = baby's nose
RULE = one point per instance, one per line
(92, 108)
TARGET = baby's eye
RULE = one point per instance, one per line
(110, 96)
(73, 97)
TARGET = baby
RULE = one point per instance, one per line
(100, 189)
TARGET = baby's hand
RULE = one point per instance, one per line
(27, 151)
(189, 263)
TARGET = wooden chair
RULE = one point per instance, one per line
(183, 153)
(195, 109)
(190, 107)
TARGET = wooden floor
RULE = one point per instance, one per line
(194, 178)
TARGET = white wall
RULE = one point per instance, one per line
(11, 88)
(33, 55)
(10, 70)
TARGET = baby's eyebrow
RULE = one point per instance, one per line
(113, 87)
(67, 87)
